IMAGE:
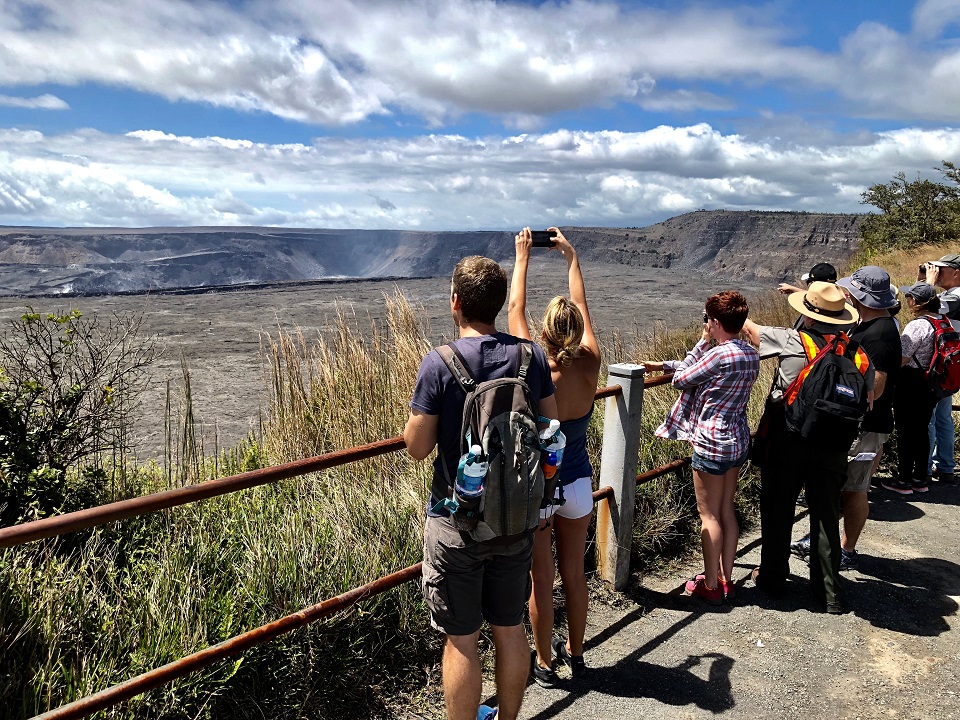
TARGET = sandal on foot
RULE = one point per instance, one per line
(574, 662)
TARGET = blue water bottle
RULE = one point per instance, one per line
(471, 471)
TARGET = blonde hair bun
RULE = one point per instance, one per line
(563, 330)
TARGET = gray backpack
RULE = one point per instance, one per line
(501, 417)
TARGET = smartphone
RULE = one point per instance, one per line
(543, 238)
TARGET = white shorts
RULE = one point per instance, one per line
(578, 500)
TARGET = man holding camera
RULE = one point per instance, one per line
(944, 273)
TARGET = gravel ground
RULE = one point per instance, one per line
(655, 653)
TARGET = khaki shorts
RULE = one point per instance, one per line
(466, 582)
(858, 473)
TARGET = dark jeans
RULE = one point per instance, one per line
(792, 463)
(913, 407)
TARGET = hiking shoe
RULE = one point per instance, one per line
(919, 485)
(711, 596)
(849, 560)
(802, 500)
(801, 548)
(545, 677)
(835, 607)
(897, 486)
(574, 662)
(485, 712)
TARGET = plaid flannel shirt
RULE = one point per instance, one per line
(711, 411)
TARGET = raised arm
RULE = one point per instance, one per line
(578, 293)
(752, 332)
(517, 309)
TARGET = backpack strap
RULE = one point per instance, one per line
(458, 367)
(933, 356)
(526, 356)
(814, 352)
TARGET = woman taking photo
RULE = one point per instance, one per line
(574, 356)
(914, 401)
(711, 413)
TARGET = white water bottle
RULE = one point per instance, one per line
(472, 471)
(552, 441)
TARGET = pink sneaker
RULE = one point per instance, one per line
(728, 588)
(699, 589)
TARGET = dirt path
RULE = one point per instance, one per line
(660, 654)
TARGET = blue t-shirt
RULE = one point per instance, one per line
(488, 357)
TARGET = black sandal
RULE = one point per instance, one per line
(574, 662)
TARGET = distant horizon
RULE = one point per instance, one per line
(221, 228)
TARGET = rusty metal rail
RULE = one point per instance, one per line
(154, 678)
(90, 517)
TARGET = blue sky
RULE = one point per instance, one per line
(463, 114)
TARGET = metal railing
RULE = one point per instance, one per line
(91, 517)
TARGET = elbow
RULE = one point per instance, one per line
(417, 451)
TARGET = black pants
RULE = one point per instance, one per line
(913, 406)
(792, 463)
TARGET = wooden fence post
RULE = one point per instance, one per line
(618, 469)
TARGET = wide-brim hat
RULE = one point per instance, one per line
(824, 302)
(870, 285)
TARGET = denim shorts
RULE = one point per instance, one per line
(716, 467)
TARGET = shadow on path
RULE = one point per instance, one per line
(907, 596)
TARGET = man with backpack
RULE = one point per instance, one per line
(944, 273)
(477, 561)
(821, 390)
(872, 296)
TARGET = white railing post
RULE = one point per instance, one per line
(618, 469)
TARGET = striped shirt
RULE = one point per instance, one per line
(711, 412)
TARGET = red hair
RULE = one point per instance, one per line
(729, 308)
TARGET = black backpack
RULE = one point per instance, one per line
(827, 401)
(501, 417)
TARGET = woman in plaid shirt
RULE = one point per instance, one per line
(711, 413)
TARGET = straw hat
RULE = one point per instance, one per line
(824, 302)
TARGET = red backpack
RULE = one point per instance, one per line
(943, 373)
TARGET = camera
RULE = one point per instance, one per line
(543, 238)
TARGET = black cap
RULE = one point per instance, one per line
(821, 272)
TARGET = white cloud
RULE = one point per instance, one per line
(443, 181)
(340, 62)
(932, 17)
(41, 102)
